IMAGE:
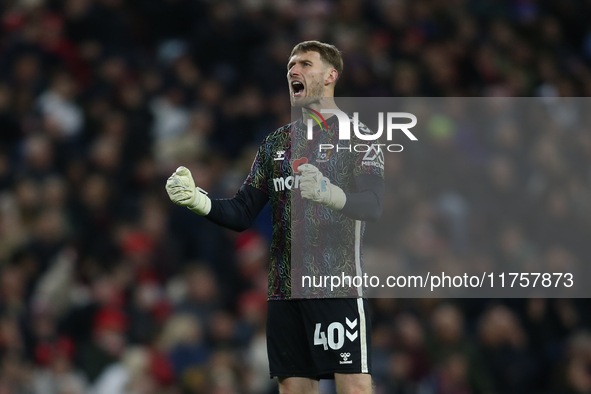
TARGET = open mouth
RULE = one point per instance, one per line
(297, 88)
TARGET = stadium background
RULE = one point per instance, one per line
(104, 281)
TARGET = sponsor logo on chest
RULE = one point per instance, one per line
(291, 181)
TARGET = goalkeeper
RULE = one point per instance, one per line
(309, 337)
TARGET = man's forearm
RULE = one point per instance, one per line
(367, 203)
(239, 212)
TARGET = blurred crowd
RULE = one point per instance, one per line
(107, 287)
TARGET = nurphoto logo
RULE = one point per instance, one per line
(361, 131)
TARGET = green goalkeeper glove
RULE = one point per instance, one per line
(182, 191)
(317, 188)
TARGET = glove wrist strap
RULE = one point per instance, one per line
(337, 198)
(202, 204)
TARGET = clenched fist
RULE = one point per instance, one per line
(317, 188)
(181, 190)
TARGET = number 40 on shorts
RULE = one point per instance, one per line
(335, 334)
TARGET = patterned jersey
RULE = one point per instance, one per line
(308, 238)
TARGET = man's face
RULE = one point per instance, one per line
(306, 76)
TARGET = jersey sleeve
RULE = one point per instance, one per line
(369, 160)
(368, 202)
(239, 212)
(257, 177)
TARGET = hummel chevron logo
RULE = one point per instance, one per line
(351, 324)
(352, 336)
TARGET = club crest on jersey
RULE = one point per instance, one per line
(324, 156)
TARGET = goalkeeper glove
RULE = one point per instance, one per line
(316, 187)
(182, 191)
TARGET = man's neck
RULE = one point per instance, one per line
(324, 103)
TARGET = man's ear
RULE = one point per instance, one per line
(331, 77)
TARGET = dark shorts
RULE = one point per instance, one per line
(316, 338)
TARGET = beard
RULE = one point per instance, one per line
(314, 93)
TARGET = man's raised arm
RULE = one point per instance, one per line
(235, 213)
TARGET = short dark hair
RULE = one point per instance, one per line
(328, 53)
